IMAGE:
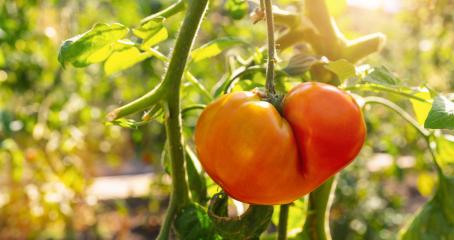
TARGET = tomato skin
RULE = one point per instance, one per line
(329, 128)
(247, 148)
(259, 157)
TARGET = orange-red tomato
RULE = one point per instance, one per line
(249, 150)
(258, 157)
(329, 129)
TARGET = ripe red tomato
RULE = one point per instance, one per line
(329, 129)
(258, 157)
(249, 150)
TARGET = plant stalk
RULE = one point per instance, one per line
(172, 83)
(283, 220)
(270, 89)
(167, 12)
(316, 226)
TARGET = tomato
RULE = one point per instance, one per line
(259, 157)
(329, 128)
(246, 147)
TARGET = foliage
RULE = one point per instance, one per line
(54, 140)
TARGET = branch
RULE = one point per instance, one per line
(172, 82)
(167, 12)
(283, 219)
(270, 90)
(316, 226)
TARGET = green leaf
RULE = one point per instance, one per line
(441, 116)
(124, 58)
(193, 223)
(151, 32)
(426, 183)
(342, 68)
(93, 46)
(250, 225)
(196, 180)
(382, 76)
(436, 219)
(237, 9)
(445, 153)
(214, 48)
(421, 108)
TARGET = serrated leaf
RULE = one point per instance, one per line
(151, 32)
(193, 223)
(124, 58)
(382, 76)
(214, 48)
(441, 115)
(237, 9)
(93, 46)
(342, 68)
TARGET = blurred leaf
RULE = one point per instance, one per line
(445, 153)
(17, 159)
(441, 116)
(196, 180)
(193, 223)
(342, 68)
(299, 64)
(382, 76)
(250, 225)
(421, 108)
(214, 48)
(123, 59)
(93, 46)
(426, 183)
(151, 32)
(436, 219)
(237, 9)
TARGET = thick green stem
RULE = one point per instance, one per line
(283, 219)
(316, 226)
(270, 90)
(172, 82)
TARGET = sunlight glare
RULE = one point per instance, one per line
(390, 6)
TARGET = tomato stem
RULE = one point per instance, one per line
(270, 89)
(283, 220)
(179, 197)
(167, 12)
(316, 225)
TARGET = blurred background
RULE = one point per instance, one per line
(65, 174)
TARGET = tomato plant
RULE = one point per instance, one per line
(236, 121)
(244, 144)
